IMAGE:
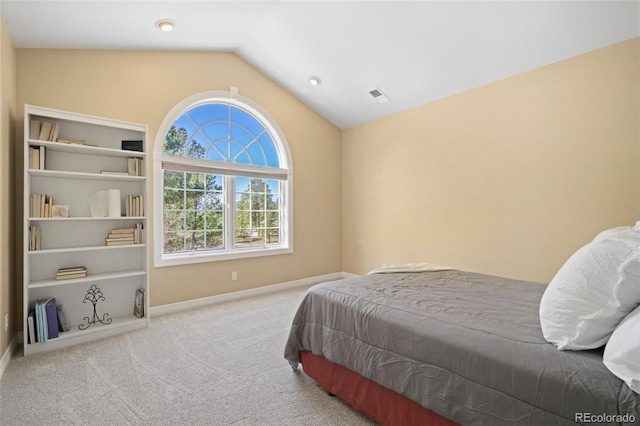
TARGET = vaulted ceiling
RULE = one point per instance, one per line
(414, 52)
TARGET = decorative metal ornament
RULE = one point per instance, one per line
(94, 295)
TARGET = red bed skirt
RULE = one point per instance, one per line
(380, 404)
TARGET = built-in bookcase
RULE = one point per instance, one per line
(88, 163)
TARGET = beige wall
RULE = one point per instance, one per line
(143, 87)
(507, 179)
(8, 287)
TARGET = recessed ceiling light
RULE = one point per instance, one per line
(314, 80)
(165, 24)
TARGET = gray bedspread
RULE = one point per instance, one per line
(467, 346)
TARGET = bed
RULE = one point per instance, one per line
(447, 346)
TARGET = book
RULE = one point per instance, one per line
(45, 130)
(138, 306)
(120, 237)
(63, 323)
(71, 141)
(72, 269)
(41, 320)
(52, 318)
(41, 157)
(38, 318)
(122, 231)
(53, 135)
(71, 276)
(119, 243)
(112, 172)
(34, 129)
(31, 326)
(35, 237)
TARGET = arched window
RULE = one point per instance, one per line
(222, 182)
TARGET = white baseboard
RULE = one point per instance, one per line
(6, 357)
(205, 301)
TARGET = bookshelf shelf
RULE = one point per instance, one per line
(85, 149)
(119, 325)
(69, 175)
(84, 249)
(81, 175)
(83, 219)
(89, 278)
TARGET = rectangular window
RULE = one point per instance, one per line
(193, 217)
(257, 212)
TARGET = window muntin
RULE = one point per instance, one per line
(226, 183)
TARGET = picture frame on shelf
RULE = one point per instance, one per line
(130, 145)
(60, 211)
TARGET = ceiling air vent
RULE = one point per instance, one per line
(379, 96)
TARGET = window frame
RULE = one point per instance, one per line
(228, 171)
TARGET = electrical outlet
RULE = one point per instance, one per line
(6, 322)
(234, 275)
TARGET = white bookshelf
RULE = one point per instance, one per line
(71, 174)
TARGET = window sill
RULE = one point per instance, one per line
(186, 259)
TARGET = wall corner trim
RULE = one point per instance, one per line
(242, 294)
(6, 357)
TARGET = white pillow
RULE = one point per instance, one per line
(593, 291)
(622, 353)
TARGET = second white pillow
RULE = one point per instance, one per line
(593, 291)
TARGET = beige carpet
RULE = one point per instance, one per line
(220, 365)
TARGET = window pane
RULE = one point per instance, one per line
(214, 220)
(173, 242)
(173, 199)
(195, 241)
(217, 130)
(273, 219)
(209, 112)
(242, 238)
(195, 180)
(214, 239)
(273, 236)
(173, 220)
(194, 220)
(242, 220)
(213, 182)
(173, 179)
(212, 201)
(247, 121)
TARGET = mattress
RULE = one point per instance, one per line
(467, 346)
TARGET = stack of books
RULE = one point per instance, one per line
(125, 236)
(70, 273)
(119, 237)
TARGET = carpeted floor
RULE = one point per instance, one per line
(220, 365)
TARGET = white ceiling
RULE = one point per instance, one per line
(414, 51)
